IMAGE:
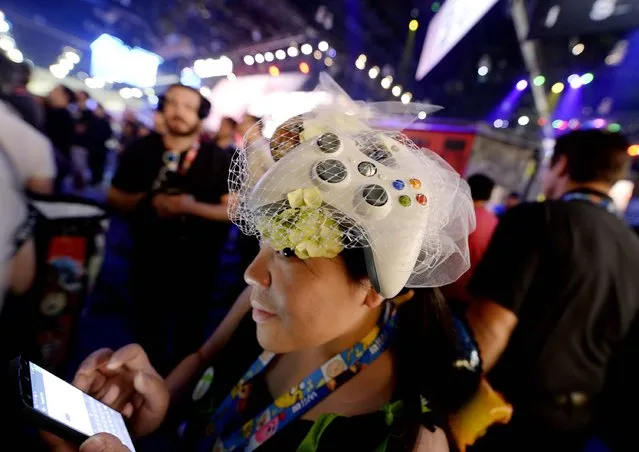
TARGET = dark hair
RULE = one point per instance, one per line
(83, 92)
(71, 97)
(425, 349)
(230, 120)
(205, 105)
(593, 155)
(481, 187)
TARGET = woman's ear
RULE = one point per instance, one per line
(373, 299)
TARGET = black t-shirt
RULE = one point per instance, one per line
(568, 271)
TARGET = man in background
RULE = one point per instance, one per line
(173, 187)
(59, 126)
(225, 137)
(557, 296)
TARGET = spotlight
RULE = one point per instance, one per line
(293, 51)
(231, 77)
(587, 78)
(4, 26)
(573, 78)
(614, 127)
(523, 120)
(578, 49)
(126, 93)
(574, 124)
(249, 60)
(599, 123)
(280, 54)
(539, 80)
(268, 56)
(421, 115)
(307, 49)
(633, 151)
(373, 72)
(387, 82)
(259, 58)
(72, 57)
(205, 91)
(304, 68)
(58, 71)
(542, 122)
(274, 71)
(413, 25)
(482, 71)
(557, 124)
(136, 92)
(317, 55)
(65, 64)
(323, 46)
(7, 43)
(522, 85)
(498, 124)
(360, 64)
(406, 98)
(363, 57)
(558, 88)
(397, 90)
(328, 61)
(15, 55)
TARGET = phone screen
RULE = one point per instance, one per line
(66, 404)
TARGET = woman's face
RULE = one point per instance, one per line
(299, 304)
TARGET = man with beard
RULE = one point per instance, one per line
(173, 188)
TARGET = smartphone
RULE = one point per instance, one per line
(53, 405)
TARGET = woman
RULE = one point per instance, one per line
(342, 363)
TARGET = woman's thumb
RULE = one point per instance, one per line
(103, 442)
(152, 390)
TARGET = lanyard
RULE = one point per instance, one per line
(598, 200)
(171, 160)
(190, 156)
(301, 398)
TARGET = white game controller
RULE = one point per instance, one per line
(363, 176)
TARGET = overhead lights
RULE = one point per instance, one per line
(574, 124)
(280, 54)
(373, 72)
(578, 49)
(7, 43)
(126, 93)
(387, 82)
(498, 123)
(633, 151)
(307, 49)
(482, 71)
(293, 51)
(304, 67)
(557, 88)
(614, 127)
(274, 71)
(58, 71)
(15, 55)
(599, 123)
(618, 53)
(575, 81)
(323, 46)
(259, 58)
(360, 63)
(421, 115)
(231, 77)
(587, 78)
(249, 60)
(220, 67)
(559, 124)
(317, 55)
(4, 26)
(94, 82)
(413, 25)
(483, 67)
(268, 56)
(136, 93)
(72, 56)
(205, 91)
(65, 64)
(397, 90)
(523, 120)
(522, 85)
(406, 98)
(328, 61)
(539, 80)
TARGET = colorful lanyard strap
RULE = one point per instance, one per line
(605, 203)
(301, 398)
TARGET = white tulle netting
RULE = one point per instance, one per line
(330, 179)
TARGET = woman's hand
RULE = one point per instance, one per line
(103, 442)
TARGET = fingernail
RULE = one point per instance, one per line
(113, 365)
(93, 444)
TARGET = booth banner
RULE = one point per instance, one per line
(552, 18)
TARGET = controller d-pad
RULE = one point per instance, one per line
(367, 169)
(331, 171)
(329, 143)
(375, 195)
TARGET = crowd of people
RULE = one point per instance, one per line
(344, 351)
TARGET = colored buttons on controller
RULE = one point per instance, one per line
(375, 195)
(329, 143)
(399, 184)
(415, 183)
(404, 201)
(421, 198)
(331, 171)
(367, 169)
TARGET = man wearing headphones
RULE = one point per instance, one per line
(173, 188)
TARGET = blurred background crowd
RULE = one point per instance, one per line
(89, 88)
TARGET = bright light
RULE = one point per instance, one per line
(573, 78)
(307, 49)
(58, 71)
(539, 80)
(66, 64)
(599, 123)
(149, 91)
(15, 55)
(259, 58)
(387, 82)
(578, 49)
(153, 99)
(522, 85)
(137, 93)
(558, 88)
(360, 64)
(482, 71)
(614, 127)
(293, 51)
(413, 25)
(373, 72)
(126, 93)
(317, 55)
(7, 43)
(217, 67)
(363, 57)
(574, 124)
(397, 90)
(557, 124)
(94, 83)
(523, 120)
(280, 54)
(323, 46)
(205, 91)
(587, 78)
(72, 57)
(304, 67)
(268, 56)
(406, 98)
(633, 151)
(328, 61)
(2, 16)
(231, 77)
(421, 115)
(4, 26)
(498, 124)
(249, 60)
(274, 71)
